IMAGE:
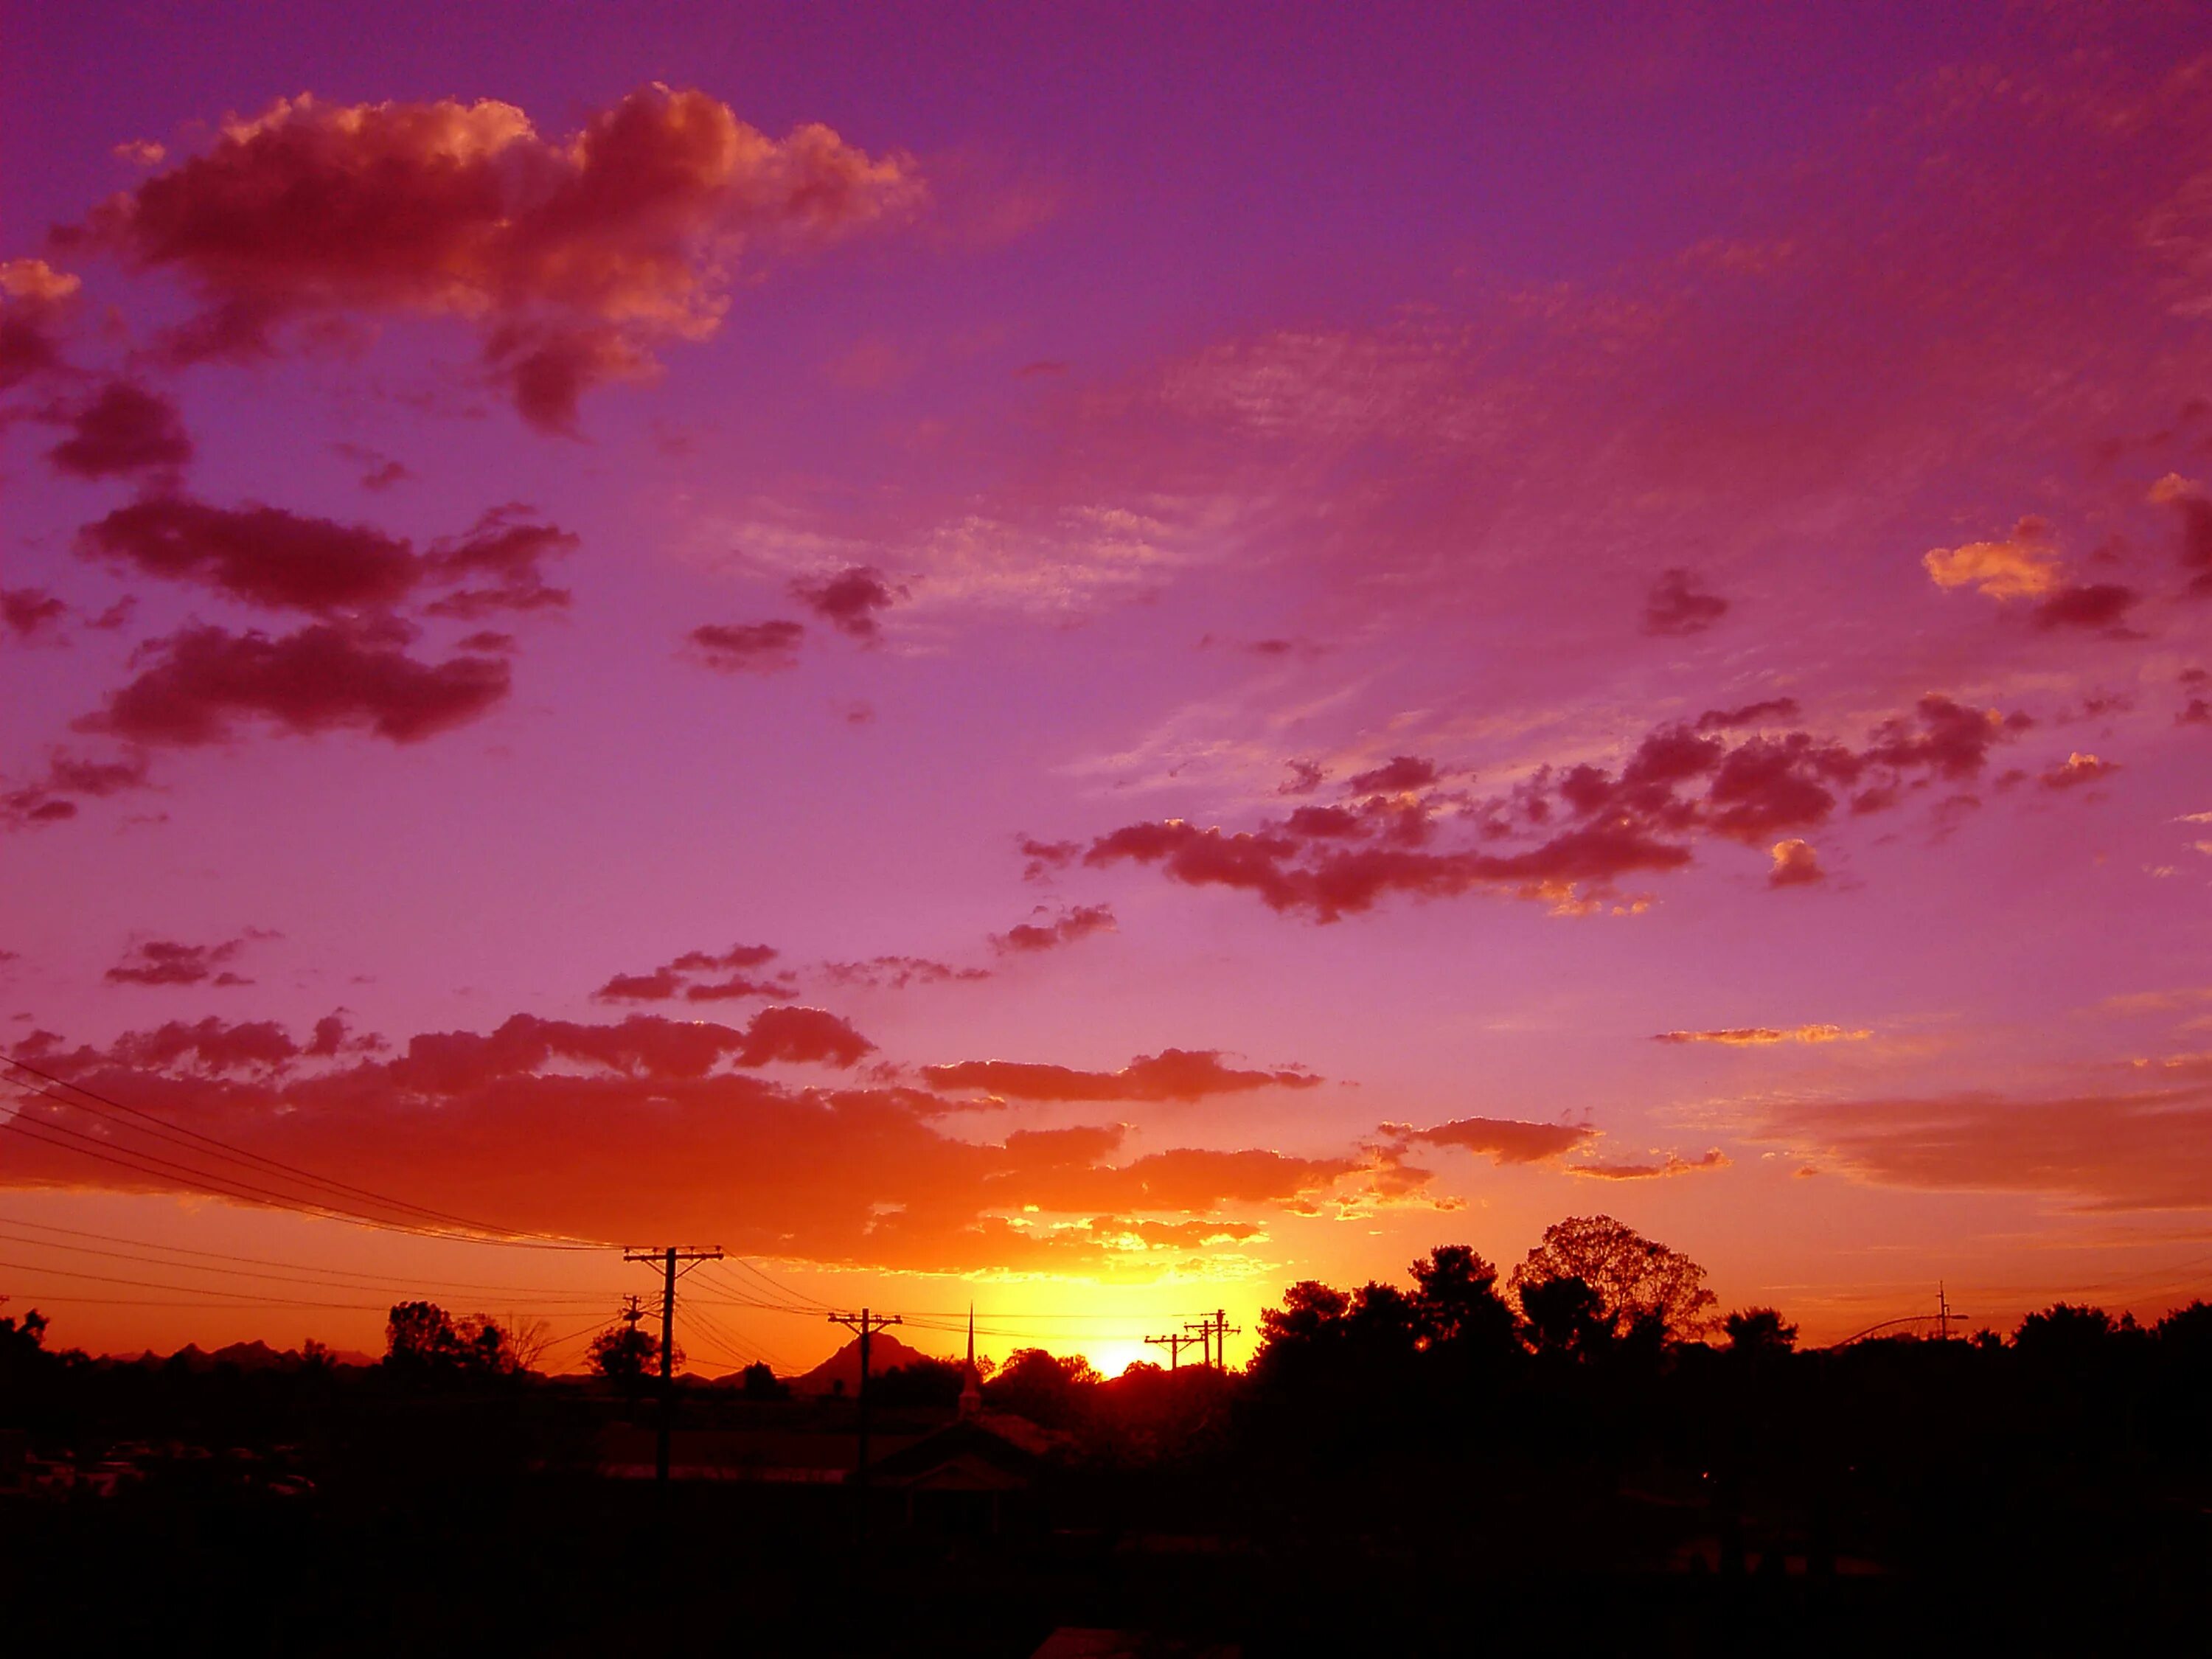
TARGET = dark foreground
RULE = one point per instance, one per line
(575, 1564)
(1396, 1473)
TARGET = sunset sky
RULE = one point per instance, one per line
(1094, 658)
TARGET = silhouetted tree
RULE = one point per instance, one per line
(626, 1358)
(2186, 1332)
(759, 1382)
(1042, 1386)
(22, 1348)
(1565, 1316)
(1635, 1277)
(1759, 1331)
(1456, 1305)
(920, 1382)
(421, 1338)
(1383, 1323)
(528, 1340)
(2066, 1331)
(419, 1335)
(1300, 1341)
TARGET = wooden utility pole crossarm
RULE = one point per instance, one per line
(667, 1256)
(1214, 1331)
(1175, 1342)
(867, 1324)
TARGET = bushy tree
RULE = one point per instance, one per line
(1565, 1316)
(758, 1381)
(2067, 1337)
(920, 1382)
(1638, 1281)
(625, 1356)
(421, 1338)
(1044, 1387)
(22, 1347)
(2186, 1332)
(1456, 1303)
(1759, 1331)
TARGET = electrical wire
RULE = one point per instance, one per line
(253, 1261)
(152, 1285)
(160, 1168)
(179, 1134)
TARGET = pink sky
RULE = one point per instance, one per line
(1421, 625)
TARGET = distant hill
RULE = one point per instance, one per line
(256, 1356)
(885, 1352)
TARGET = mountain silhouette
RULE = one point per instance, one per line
(885, 1352)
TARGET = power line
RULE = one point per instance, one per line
(164, 1129)
(144, 1302)
(668, 1256)
(736, 1342)
(255, 1260)
(867, 1324)
(148, 1164)
(777, 1284)
(169, 1130)
(554, 1299)
(733, 1349)
(151, 1285)
(1175, 1342)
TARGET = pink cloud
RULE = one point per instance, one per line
(1171, 1074)
(572, 260)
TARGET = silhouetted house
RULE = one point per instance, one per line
(975, 1477)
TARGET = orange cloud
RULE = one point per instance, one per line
(1508, 1140)
(1749, 1036)
(2192, 508)
(1064, 928)
(1796, 863)
(571, 258)
(1671, 1165)
(2112, 1152)
(2077, 769)
(2021, 566)
(520, 1126)
(1581, 829)
(33, 298)
(1171, 1074)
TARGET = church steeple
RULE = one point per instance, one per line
(971, 1385)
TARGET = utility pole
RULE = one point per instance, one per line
(1215, 1330)
(668, 1257)
(1204, 1327)
(1944, 1317)
(1175, 1342)
(867, 1324)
